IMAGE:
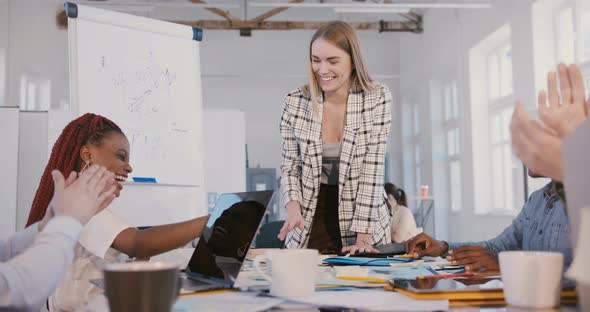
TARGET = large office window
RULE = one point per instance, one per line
(585, 33)
(451, 127)
(584, 43)
(498, 175)
(412, 147)
(565, 36)
(504, 167)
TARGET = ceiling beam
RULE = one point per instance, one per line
(273, 12)
(220, 12)
(382, 26)
(413, 17)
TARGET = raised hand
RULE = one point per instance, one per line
(568, 112)
(50, 211)
(538, 147)
(91, 192)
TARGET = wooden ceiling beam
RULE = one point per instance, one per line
(413, 17)
(220, 12)
(273, 12)
(382, 26)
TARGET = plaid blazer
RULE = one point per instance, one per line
(362, 200)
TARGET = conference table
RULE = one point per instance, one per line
(234, 300)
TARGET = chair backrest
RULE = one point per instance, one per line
(267, 238)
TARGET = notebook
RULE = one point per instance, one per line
(225, 241)
(470, 291)
(463, 289)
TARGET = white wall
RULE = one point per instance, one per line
(4, 22)
(32, 157)
(251, 74)
(441, 53)
(8, 163)
(224, 142)
(37, 50)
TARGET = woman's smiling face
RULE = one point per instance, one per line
(112, 153)
(331, 66)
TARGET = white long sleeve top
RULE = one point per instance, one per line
(33, 263)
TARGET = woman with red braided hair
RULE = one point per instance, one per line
(88, 140)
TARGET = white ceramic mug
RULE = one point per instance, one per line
(293, 272)
(531, 279)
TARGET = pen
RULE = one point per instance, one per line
(404, 256)
(364, 279)
(447, 275)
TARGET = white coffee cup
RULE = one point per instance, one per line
(531, 279)
(293, 272)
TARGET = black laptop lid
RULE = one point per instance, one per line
(230, 230)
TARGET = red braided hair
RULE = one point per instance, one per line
(65, 155)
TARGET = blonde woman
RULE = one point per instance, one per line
(334, 133)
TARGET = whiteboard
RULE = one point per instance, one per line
(143, 74)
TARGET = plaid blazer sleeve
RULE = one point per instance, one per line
(291, 163)
(370, 194)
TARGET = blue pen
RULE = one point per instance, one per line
(144, 179)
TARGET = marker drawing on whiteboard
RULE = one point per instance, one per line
(144, 180)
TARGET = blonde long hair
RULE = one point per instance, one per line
(340, 34)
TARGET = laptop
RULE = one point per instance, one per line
(225, 241)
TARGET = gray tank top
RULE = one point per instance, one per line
(330, 162)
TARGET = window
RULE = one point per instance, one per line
(565, 34)
(417, 167)
(2, 76)
(500, 107)
(585, 34)
(503, 164)
(453, 142)
(497, 174)
(500, 72)
(412, 148)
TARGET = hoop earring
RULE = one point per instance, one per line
(86, 165)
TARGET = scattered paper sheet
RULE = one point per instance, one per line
(227, 301)
(373, 300)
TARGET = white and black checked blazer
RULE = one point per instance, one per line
(362, 200)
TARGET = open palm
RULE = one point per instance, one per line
(567, 112)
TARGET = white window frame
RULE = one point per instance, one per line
(497, 105)
(452, 123)
(412, 143)
(566, 5)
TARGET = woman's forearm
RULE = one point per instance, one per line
(159, 239)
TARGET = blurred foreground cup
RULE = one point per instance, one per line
(141, 286)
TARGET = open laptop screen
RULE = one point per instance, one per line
(223, 245)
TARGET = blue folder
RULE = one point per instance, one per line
(365, 261)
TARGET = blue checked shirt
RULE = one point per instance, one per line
(541, 225)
